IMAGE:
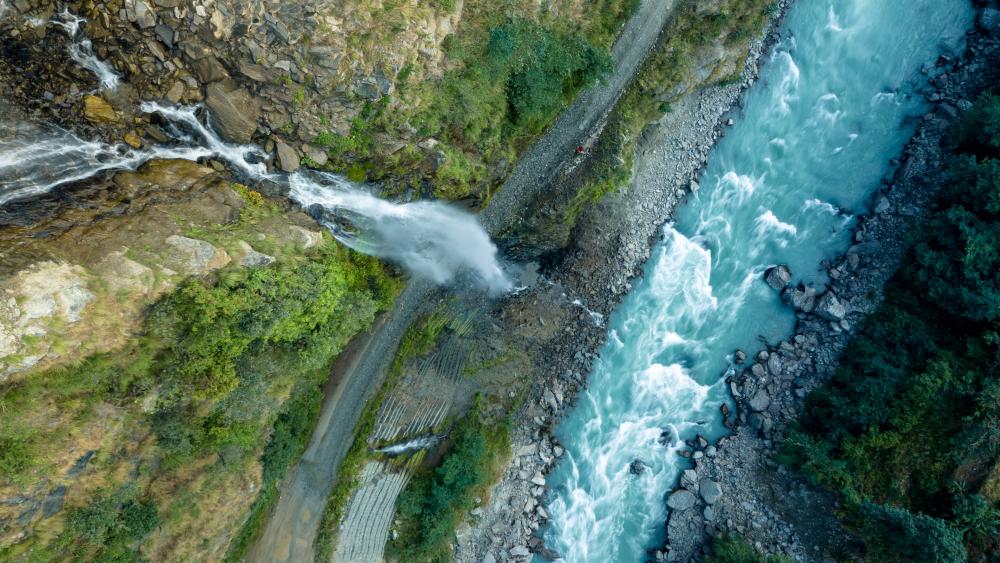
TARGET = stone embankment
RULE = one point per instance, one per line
(748, 493)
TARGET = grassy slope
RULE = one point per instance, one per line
(221, 387)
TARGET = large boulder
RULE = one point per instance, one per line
(710, 491)
(234, 112)
(288, 158)
(830, 308)
(96, 110)
(681, 499)
(760, 401)
(989, 19)
(778, 277)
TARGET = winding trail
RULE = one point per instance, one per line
(292, 526)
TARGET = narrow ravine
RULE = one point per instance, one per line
(834, 105)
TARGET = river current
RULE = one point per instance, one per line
(836, 101)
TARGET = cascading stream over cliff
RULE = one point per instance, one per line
(835, 102)
(432, 240)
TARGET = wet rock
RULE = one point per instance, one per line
(681, 499)
(740, 356)
(234, 112)
(710, 491)
(288, 158)
(96, 110)
(830, 308)
(760, 401)
(778, 277)
(689, 480)
(132, 140)
(989, 19)
(801, 298)
(636, 467)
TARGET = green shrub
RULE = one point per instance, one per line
(16, 458)
(434, 502)
(734, 548)
(896, 534)
(976, 519)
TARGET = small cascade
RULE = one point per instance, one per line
(416, 444)
(82, 51)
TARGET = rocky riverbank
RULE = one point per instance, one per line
(735, 486)
(610, 245)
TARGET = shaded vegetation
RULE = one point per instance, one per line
(908, 429)
(436, 500)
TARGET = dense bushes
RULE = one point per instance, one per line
(435, 501)
(107, 526)
(911, 419)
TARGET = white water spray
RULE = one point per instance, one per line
(82, 51)
(413, 445)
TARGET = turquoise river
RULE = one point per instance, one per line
(836, 101)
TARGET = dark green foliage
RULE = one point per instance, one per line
(735, 549)
(976, 519)
(15, 457)
(435, 501)
(542, 68)
(896, 534)
(110, 524)
(915, 405)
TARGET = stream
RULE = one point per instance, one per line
(837, 99)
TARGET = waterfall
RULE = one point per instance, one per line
(431, 239)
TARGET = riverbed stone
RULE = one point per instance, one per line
(759, 401)
(96, 110)
(830, 308)
(710, 491)
(681, 499)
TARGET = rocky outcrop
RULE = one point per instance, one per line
(234, 112)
